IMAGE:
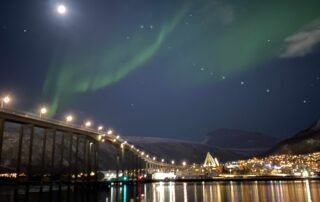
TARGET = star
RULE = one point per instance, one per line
(151, 26)
(242, 82)
(202, 68)
(25, 30)
(132, 105)
(186, 23)
(223, 77)
(127, 37)
(268, 90)
(304, 101)
(268, 40)
(141, 26)
(211, 73)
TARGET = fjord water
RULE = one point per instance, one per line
(222, 191)
(246, 191)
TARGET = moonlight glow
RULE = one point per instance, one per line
(61, 9)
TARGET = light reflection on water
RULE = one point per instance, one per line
(223, 191)
(236, 191)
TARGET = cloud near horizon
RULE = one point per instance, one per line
(303, 42)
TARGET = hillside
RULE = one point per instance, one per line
(180, 150)
(306, 141)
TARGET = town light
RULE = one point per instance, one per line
(154, 158)
(109, 132)
(162, 160)
(172, 162)
(184, 163)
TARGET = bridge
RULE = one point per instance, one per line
(34, 148)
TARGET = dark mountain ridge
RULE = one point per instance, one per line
(305, 141)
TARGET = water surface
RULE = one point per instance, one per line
(245, 191)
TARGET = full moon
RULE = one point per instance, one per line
(61, 9)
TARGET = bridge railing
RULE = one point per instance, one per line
(49, 120)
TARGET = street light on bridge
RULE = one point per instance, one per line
(100, 128)
(43, 111)
(69, 118)
(88, 124)
(5, 100)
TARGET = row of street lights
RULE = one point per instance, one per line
(69, 118)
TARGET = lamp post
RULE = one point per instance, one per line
(5, 100)
(69, 118)
(88, 124)
(100, 128)
(43, 111)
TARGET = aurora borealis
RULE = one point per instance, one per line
(168, 68)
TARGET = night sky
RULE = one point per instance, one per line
(175, 69)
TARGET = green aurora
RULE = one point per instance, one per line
(105, 68)
(233, 38)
